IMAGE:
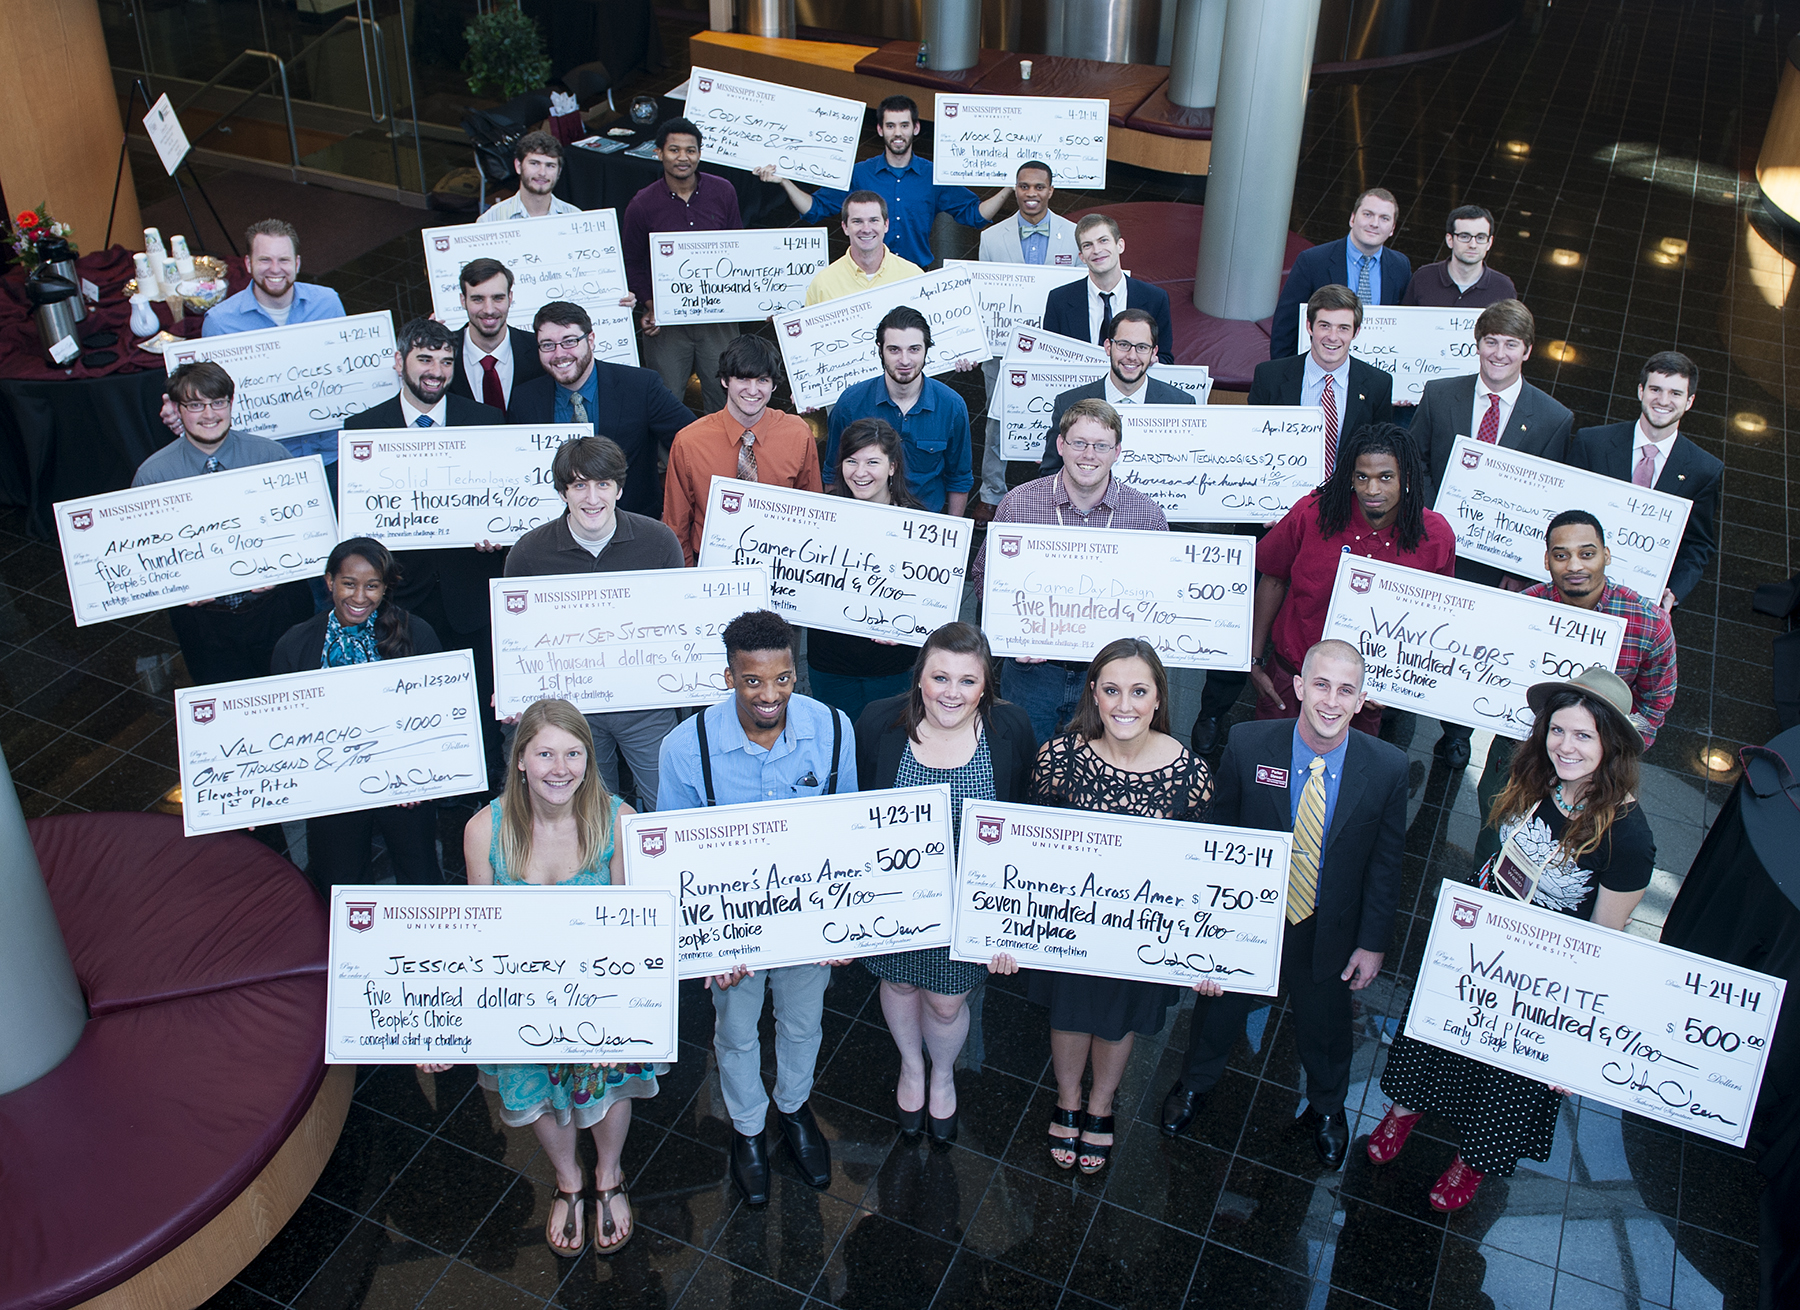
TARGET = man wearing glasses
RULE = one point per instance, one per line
(1464, 280)
(1130, 343)
(630, 405)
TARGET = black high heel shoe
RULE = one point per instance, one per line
(943, 1130)
(912, 1122)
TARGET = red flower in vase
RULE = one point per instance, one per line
(28, 220)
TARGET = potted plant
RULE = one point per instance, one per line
(506, 53)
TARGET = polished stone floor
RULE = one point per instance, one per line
(1616, 143)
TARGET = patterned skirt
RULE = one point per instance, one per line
(575, 1093)
(931, 969)
(1500, 1117)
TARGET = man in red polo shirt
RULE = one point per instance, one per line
(1372, 505)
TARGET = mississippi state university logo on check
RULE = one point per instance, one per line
(1009, 546)
(1270, 776)
(731, 501)
(793, 327)
(989, 830)
(1025, 343)
(1471, 459)
(359, 916)
(1465, 913)
(205, 710)
(1360, 582)
(515, 601)
(361, 449)
(706, 84)
(441, 243)
(1018, 377)
(949, 109)
(653, 841)
(81, 519)
(667, 248)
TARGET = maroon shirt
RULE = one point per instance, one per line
(712, 208)
(1431, 285)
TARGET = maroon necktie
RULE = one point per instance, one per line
(491, 394)
(1490, 421)
(1328, 402)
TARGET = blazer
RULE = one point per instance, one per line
(1066, 312)
(1537, 425)
(525, 361)
(1370, 398)
(879, 744)
(1689, 471)
(1155, 393)
(302, 647)
(636, 410)
(1000, 242)
(460, 574)
(1321, 266)
(1359, 876)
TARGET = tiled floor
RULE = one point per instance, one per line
(1605, 137)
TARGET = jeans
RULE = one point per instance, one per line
(799, 1006)
(635, 734)
(851, 695)
(1047, 692)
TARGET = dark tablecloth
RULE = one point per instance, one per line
(596, 181)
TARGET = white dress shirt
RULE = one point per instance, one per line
(437, 413)
(1508, 399)
(1097, 307)
(472, 355)
(1115, 397)
(1640, 439)
(1312, 382)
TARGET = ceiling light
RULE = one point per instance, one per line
(1749, 423)
(1565, 258)
(1560, 352)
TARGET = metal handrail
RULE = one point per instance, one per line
(287, 102)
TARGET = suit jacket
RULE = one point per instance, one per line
(1370, 398)
(1359, 876)
(636, 410)
(460, 574)
(302, 647)
(1689, 471)
(1066, 312)
(1000, 242)
(1155, 393)
(1013, 748)
(1322, 266)
(525, 361)
(1538, 425)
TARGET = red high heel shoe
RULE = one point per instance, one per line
(1391, 1134)
(1456, 1188)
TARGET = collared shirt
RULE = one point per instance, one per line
(181, 458)
(1097, 307)
(590, 397)
(472, 355)
(1034, 247)
(437, 413)
(1294, 551)
(842, 277)
(1302, 766)
(1046, 500)
(1312, 382)
(1116, 397)
(798, 764)
(513, 207)
(786, 456)
(913, 200)
(243, 312)
(638, 542)
(935, 433)
(1640, 439)
(1646, 655)
(1433, 285)
(1508, 399)
(1355, 259)
(712, 208)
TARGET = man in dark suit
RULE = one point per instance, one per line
(1352, 393)
(1343, 796)
(1130, 341)
(1652, 453)
(496, 356)
(1083, 309)
(630, 405)
(1359, 260)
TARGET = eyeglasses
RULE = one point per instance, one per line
(1080, 447)
(201, 406)
(1134, 347)
(1473, 238)
(567, 343)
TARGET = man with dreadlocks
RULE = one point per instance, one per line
(1374, 505)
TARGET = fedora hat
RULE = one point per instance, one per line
(1599, 682)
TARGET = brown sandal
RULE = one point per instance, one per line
(606, 1227)
(572, 1244)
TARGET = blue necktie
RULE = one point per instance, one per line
(423, 421)
(1362, 278)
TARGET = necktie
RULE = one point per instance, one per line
(1309, 845)
(1034, 230)
(491, 393)
(747, 457)
(423, 421)
(1105, 312)
(1644, 475)
(213, 465)
(578, 403)
(1362, 277)
(1328, 402)
(1490, 421)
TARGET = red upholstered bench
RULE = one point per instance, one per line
(203, 960)
(1164, 117)
(898, 61)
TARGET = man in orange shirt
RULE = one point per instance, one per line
(746, 439)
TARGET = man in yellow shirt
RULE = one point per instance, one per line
(869, 262)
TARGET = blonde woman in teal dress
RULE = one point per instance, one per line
(553, 826)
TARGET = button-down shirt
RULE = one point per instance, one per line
(1646, 655)
(1433, 285)
(590, 397)
(934, 432)
(472, 355)
(181, 458)
(1508, 399)
(1355, 259)
(513, 207)
(842, 277)
(1046, 500)
(1097, 307)
(786, 456)
(1640, 439)
(243, 312)
(798, 764)
(913, 200)
(712, 208)
(437, 413)
(638, 542)
(1034, 245)
(1115, 397)
(1312, 382)
(1302, 766)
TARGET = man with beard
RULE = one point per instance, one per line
(537, 159)
(491, 357)
(1130, 344)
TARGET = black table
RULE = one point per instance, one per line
(594, 181)
(67, 439)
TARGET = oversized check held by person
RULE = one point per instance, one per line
(982, 140)
(640, 640)
(1011, 296)
(304, 378)
(1679, 1038)
(1500, 502)
(1222, 463)
(1121, 896)
(454, 975)
(831, 345)
(841, 564)
(193, 539)
(733, 277)
(1063, 593)
(1460, 651)
(801, 881)
(328, 741)
(1414, 344)
(1025, 399)
(414, 487)
(809, 137)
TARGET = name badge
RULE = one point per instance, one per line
(1065, 259)
(1270, 776)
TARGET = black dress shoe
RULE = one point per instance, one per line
(1179, 1108)
(1331, 1136)
(912, 1122)
(750, 1166)
(943, 1130)
(1206, 738)
(1453, 751)
(811, 1152)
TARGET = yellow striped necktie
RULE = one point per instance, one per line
(1309, 844)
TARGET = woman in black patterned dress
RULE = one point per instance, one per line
(1118, 758)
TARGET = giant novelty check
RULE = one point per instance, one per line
(841, 564)
(1222, 463)
(303, 378)
(733, 277)
(1500, 502)
(1676, 1037)
(449, 486)
(801, 881)
(641, 640)
(809, 137)
(1063, 593)
(1459, 651)
(147, 548)
(455, 975)
(831, 345)
(1120, 896)
(1413, 343)
(571, 257)
(1024, 400)
(982, 140)
(1011, 296)
(328, 741)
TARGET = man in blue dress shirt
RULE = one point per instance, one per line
(1360, 260)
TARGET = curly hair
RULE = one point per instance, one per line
(393, 625)
(1337, 497)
